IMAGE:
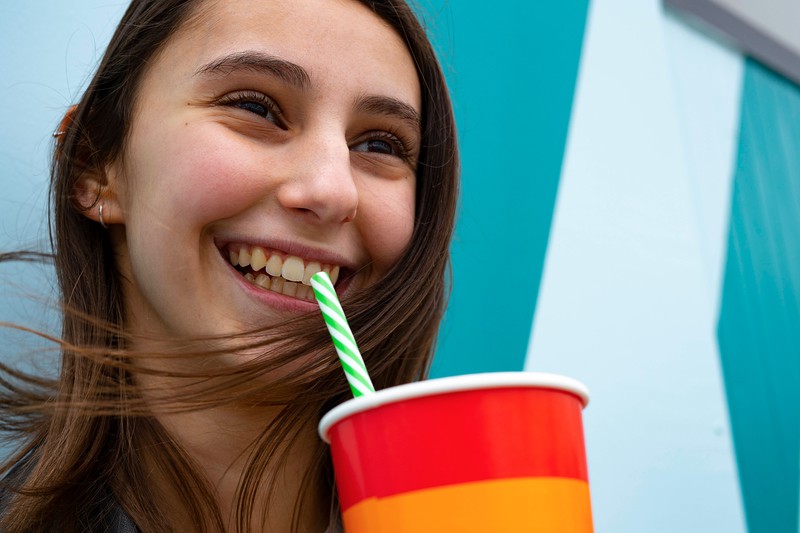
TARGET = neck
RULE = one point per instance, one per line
(220, 443)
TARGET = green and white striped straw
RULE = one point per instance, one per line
(343, 341)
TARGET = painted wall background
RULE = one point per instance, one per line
(629, 218)
(47, 51)
(758, 326)
(631, 284)
(512, 75)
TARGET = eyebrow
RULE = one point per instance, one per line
(256, 61)
(391, 107)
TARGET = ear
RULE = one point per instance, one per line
(95, 187)
(97, 195)
(100, 188)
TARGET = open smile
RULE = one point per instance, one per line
(278, 272)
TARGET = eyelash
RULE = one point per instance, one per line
(395, 138)
(256, 97)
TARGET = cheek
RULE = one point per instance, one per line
(208, 180)
(217, 186)
(388, 220)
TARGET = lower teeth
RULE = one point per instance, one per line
(281, 286)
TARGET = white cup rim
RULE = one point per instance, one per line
(489, 380)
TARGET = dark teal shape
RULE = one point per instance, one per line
(759, 326)
(512, 69)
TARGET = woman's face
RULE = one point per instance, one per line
(269, 140)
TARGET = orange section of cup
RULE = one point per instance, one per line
(543, 505)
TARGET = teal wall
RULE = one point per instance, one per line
(759, 327)
(512, 71)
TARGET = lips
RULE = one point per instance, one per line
(278, 272)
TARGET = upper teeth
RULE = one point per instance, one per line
(289, 267)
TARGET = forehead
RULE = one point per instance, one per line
(336, 41)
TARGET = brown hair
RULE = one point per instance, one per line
(80, 435)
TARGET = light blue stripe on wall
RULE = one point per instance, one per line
(759, 327)
(512, 71)
(47, 50)
(629, 297)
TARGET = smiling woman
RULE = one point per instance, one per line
(223, 153)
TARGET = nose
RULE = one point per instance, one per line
(321, 184)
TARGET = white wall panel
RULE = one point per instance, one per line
(629, 296)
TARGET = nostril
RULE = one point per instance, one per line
(350, 217)
(319, 214)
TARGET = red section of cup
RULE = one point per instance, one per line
(419, 438)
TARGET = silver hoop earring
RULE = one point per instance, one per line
(100, 213)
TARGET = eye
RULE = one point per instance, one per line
(382, 142)
(256, 103)
(254, 107)
(375, 145)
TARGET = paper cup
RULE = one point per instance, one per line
(500, 452)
